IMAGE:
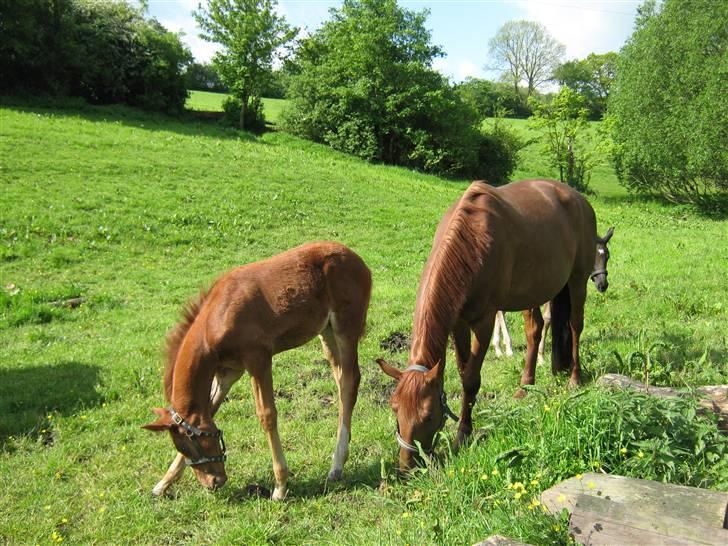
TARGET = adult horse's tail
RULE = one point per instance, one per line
(561, 332)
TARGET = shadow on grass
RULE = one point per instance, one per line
(189, 123)
(354, 475)
(28, 394)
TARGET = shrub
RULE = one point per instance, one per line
(668, 103)
(254, 117)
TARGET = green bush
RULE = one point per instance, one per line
(668, 103)
(254, 117)
(363, 84)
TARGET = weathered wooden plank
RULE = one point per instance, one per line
(609, 509)
(498, 540)
(606, 519)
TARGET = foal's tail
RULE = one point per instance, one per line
(561, 332)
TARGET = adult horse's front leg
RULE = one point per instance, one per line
(577, 293)
(470, 369)
(221, 385)
(342, 353)
(261, 377)
(533, 324)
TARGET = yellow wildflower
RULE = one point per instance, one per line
(591, 485)
(495, 472)
(546, 408)
(462, 470)
(623, 450)
(518, 495)
(557, 528)
(484, 477)
(561, 498)
(640, 454)
(64, 520)
(406, 514)
(451, 472)
(579, 476)
(534, 482)
(102, 509)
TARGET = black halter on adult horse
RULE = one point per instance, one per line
(511, 248)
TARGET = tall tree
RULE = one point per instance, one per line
(592, 78)
(525, 52)
(251, 34)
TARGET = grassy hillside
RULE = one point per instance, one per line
(205, 101)
(135, 212)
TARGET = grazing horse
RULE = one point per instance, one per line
(511, 248)
(250, 314)
(599, 276)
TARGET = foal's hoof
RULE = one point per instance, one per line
(520, 393)
(278, 494)
(335, 474)
(161, 490)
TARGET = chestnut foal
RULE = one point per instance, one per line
(250, 314)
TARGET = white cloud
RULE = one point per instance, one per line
(467, 69)
(587, 26)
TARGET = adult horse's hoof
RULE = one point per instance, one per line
(335, 474)
(574, 383)
(520, 393)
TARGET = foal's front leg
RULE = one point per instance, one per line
(261, 377)
(221, 384)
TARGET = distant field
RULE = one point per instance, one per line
(212, 102)
(134, 212)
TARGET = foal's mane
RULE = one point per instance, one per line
(176, 336)
(455, 261)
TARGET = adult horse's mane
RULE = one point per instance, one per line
(177, 335)
(457, 257)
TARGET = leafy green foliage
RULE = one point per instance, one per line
(490, 99)
(671, 116)
(203, 77)
(563, 122)
(105, 52)
(365, 86)
(250, 33)
(592, 78)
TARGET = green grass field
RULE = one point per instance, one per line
(204, 101)
(134, 212)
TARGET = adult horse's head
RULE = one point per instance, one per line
(421, 409)
(599, 275)
(203, 449)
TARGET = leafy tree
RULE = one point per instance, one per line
(203, 77)
(364, 85)
(564, 124)
(251, 34)
(669, 104)
(489, 98)
(592, 78)
(526, 52)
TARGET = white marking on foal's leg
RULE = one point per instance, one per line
(495, 341)
(173, 474)
(507, 338)
(341, 454)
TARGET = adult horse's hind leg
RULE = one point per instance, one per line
(561, 342)
(577, 293)
(221, 384)
(533, 322)
(261, 377)
(470, 369)
(341, 351)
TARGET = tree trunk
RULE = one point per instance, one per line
(243, 111)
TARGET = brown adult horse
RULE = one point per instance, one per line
(250, 314)
(511, 248)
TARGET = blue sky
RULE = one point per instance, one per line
(461, 27)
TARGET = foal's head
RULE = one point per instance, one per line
(203, 449)
(599, 276)
(418, 403)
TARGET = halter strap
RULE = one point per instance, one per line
(598, 272)
(192, 433)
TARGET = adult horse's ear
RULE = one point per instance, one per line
(434, 373)
(163, 423)
(390, 370)
(604, 240)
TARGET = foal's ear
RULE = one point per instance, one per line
(163, 423)
(390, 370)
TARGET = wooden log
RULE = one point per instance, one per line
(609, 509)
(712, 398)
(498, 540)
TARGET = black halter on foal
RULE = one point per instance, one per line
(596, 272)
(446, 412)
(192, 433)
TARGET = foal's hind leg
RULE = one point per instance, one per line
(342, 352)
(546, 314)
(221, 384)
